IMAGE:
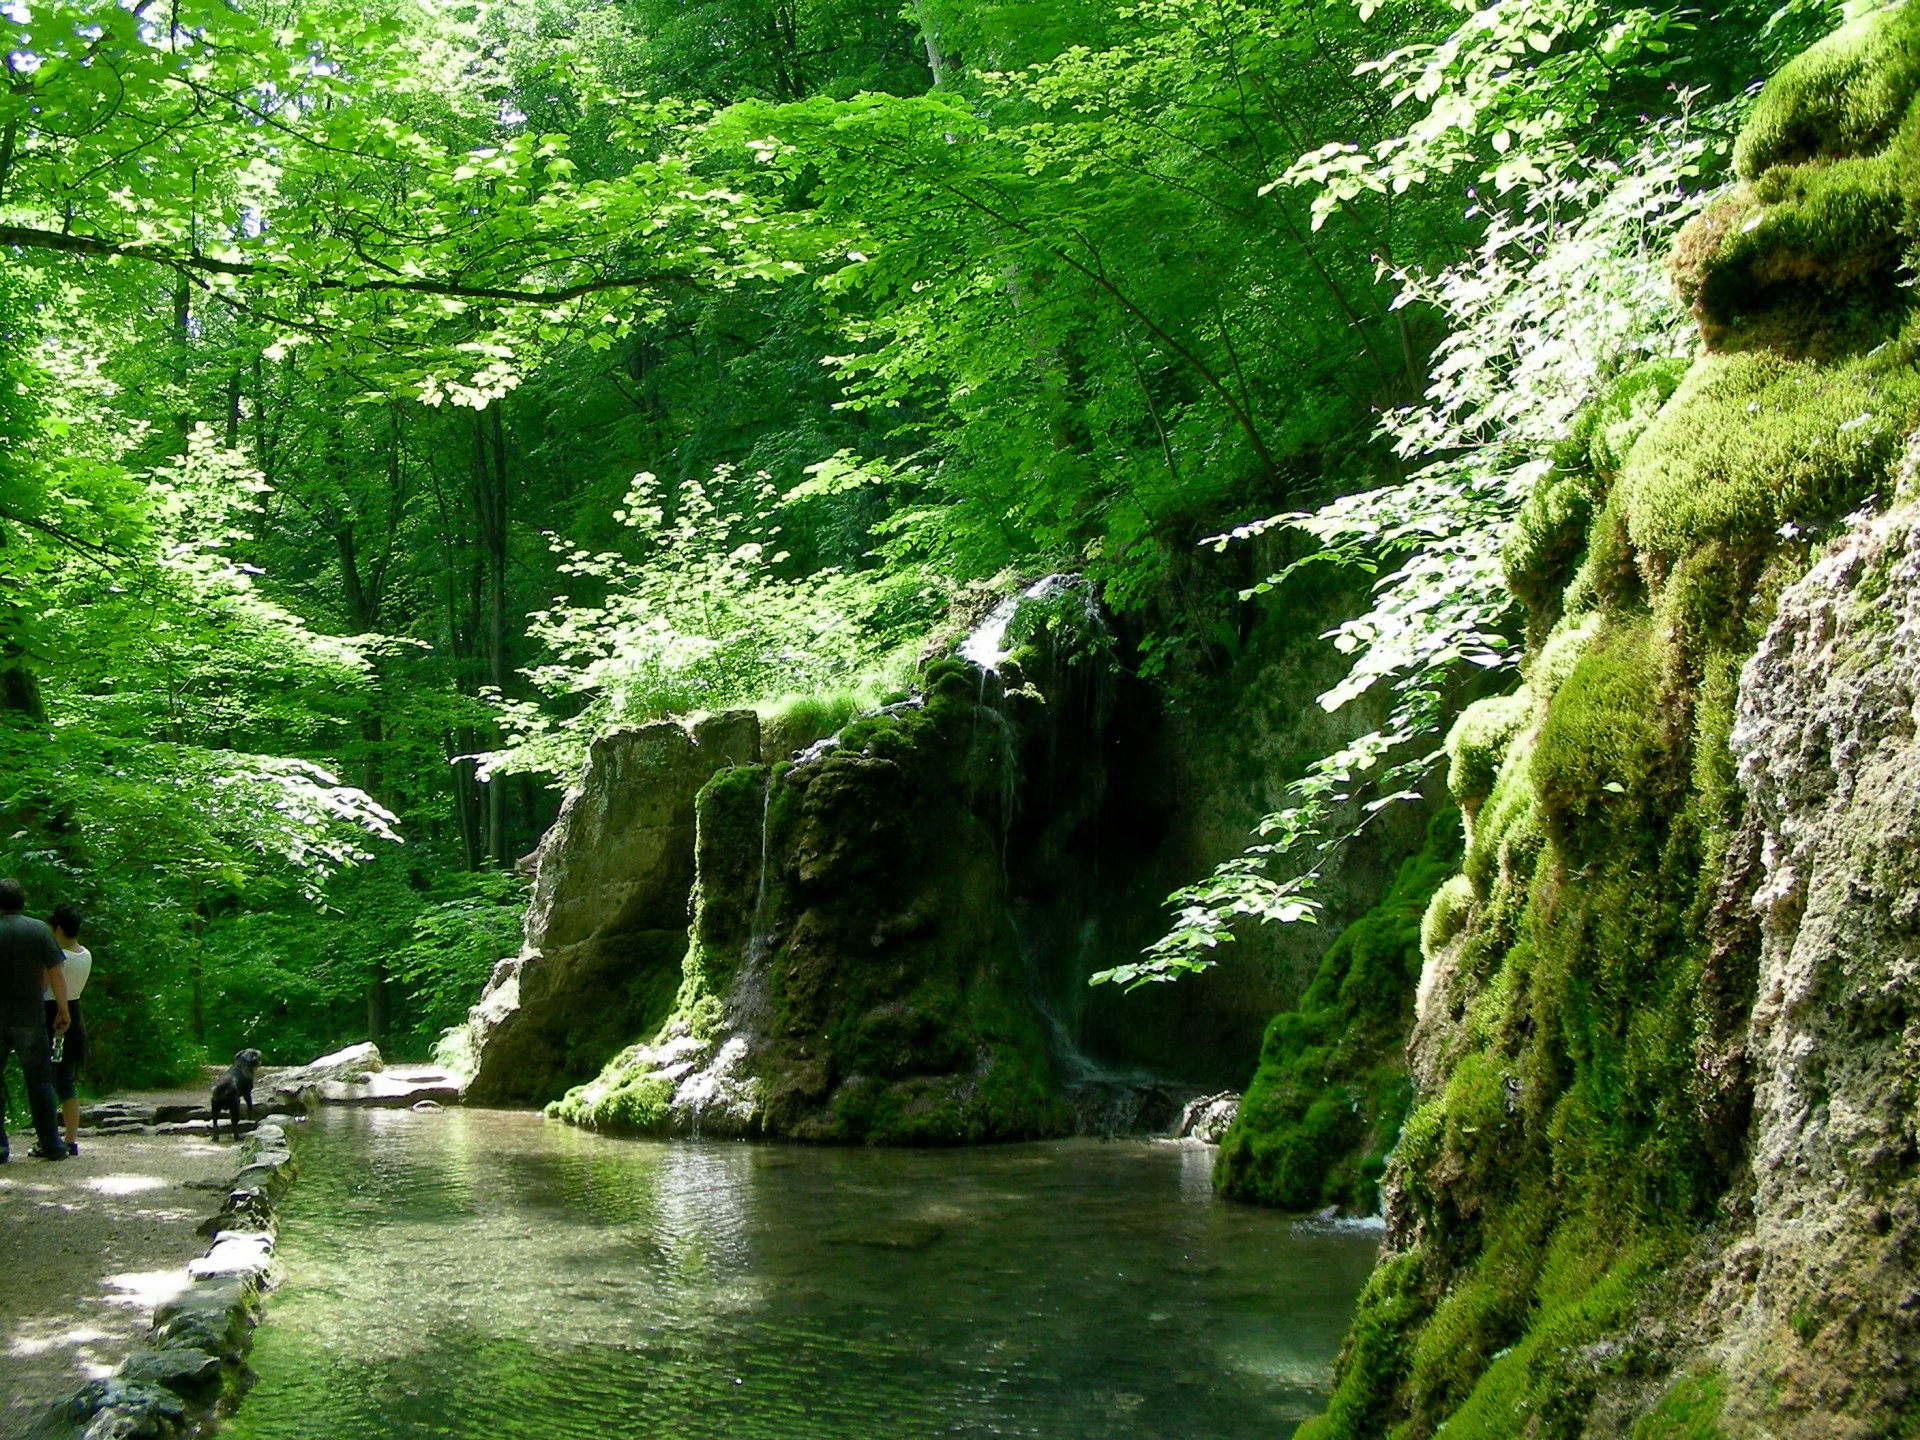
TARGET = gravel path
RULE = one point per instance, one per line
(88, 1246)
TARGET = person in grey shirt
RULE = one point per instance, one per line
(30, 963)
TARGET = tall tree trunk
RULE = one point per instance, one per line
(182, 336)
(491, 480)
(196, 949)
(940, 65)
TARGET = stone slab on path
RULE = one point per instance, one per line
(348, 1080)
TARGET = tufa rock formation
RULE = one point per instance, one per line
(606, 929)
(1819, 1292)
(857, 969)
(1660, 1177)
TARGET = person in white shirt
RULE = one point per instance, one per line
(78, 965)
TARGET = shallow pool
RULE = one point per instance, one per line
(479, 1273)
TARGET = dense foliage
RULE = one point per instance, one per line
(398, 394)
(393, 397)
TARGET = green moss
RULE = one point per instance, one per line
(1478, 743)
(1446, 915)
(628, 1097)
(1506, 835)
(1689, 1409)
(1548, 666)
(1845, 95)
(1614, 423)
(1832, 157)
(1326, 1104)
(1545, 543)
(1797, 238)
(1528, 1388)
(1377, 1355)
(1546, 539)
(1603, 738)
(1758, 441)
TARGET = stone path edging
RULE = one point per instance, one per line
(197, 1346)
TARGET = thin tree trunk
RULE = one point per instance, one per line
(196, 948)
(491, 478)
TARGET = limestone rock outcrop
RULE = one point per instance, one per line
(1822, 1294)
(855, 970)
(606, 929)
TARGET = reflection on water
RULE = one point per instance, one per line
(485, 1273)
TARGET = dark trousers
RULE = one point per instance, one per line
(29, 1042)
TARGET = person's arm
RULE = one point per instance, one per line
(57, 982)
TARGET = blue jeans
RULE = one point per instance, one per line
(29, 1042)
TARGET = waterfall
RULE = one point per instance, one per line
(756, 940)
(748, 1003)
(986, 646)
(983, 646)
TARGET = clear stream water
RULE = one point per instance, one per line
(473, 1273)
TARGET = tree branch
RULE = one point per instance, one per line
(30, 238)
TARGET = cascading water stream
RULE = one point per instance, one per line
(749, 1005)
(757, 941)
(983, 646)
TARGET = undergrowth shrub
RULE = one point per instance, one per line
(1331, 1091)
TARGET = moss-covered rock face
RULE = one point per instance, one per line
(1328, 1100)
(606, 929)
(1812, 243)
(1658, 1177)
(855, 971)
(1821, 1290)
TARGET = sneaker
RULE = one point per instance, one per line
(73, 1147)
(39, 1154)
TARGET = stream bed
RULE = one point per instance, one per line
(468, 1273)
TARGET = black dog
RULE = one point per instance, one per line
(233, 1087)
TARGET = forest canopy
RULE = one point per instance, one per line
(395, 396)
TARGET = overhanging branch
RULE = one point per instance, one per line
(30, 238)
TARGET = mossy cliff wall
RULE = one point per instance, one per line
(892, 939)
(1660, 1177)
(1331, 1090)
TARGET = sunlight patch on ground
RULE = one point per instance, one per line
(124, 1184)
(146, 1287)
(27, 1187)
(31, 1344)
